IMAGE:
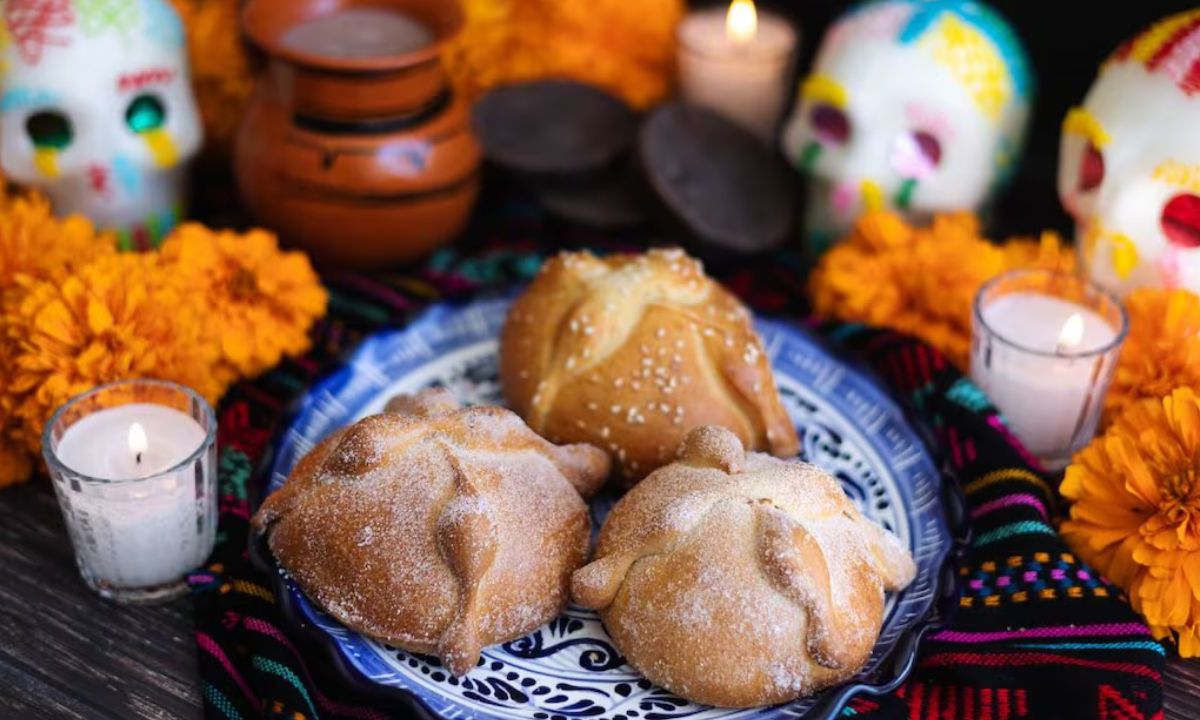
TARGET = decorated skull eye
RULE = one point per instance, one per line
(830, 124)
(1091, 169)
(49, 130)
(1181, 221)
(916, 154)
(145, 114)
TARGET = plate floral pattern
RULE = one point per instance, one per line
(569, 668)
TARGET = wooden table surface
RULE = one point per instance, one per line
(67, 654)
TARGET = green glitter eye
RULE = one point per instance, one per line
(145, 113)
(49, 129)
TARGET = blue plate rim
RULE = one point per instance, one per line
(900, 661)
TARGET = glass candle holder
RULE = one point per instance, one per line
(134, 467)
(1043, 348)
(735, 61)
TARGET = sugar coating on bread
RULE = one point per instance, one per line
(629, 352)
(737, 579)
(438, 529)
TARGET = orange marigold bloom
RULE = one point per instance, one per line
(115, 318)
(628, 48)
(1162, 351)
(222, 75)
(1048, 252)
(1136, 511)
(34, 242)
(15, 463)
(259, 302)
(921, 280)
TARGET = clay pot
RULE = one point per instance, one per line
(362, 161)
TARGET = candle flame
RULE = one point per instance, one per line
(1071, 334)
(741, 22)
(137, 440)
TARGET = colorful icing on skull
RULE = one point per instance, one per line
(96, 108)
(915, 105)
(1129, 170)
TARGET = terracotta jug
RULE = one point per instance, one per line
(361, 159)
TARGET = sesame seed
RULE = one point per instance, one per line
(579, 424)
(635, 385)
(618, 382)
(574, 326)
(524, 374)
(605, 432)
(570, 362)
(592, 406)
(589, 330)
(616, 409)
(660, 333)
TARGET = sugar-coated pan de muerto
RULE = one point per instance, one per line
(438, 529)
(629, 352)
(737, 579)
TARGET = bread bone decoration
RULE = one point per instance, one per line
(736, 579)
(629, 352)
(435, 528)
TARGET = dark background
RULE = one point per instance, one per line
(1066, 41)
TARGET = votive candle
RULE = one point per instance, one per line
(134, 467)
(736, 61)
(1044, 346)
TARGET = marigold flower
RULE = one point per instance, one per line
(1162, 351)
(15, 463)
(259, 302)
(1136, 511)
(921, 280)
(222, 75)
(34, 242)
(115, 318)
(627, 48)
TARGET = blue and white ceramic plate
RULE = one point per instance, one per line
(569, 668)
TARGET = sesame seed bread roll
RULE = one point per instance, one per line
(737, 579)
(630, 352)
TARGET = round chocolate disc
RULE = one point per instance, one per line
(553, 127)
(723, 183)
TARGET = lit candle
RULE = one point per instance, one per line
(1044, 349)
(736, 61)
(136, 484)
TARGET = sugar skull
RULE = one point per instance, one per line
(918, 106)
(96, 109)
(1129, 169)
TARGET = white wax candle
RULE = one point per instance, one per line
(735, 67)
(1043, 394)
(142, 533)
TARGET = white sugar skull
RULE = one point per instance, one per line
(1129, 169)
(97, 109)
(918, 106)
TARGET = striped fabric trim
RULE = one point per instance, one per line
(1008, 474)
(210, 646)
(1009, 501)
(1058, 631)
(1025, 659)
(1131, 645)
(1004, 532)
(265, 628)
(270, 666)
(217, 699)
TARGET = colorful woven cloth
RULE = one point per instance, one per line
(1036, 633)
